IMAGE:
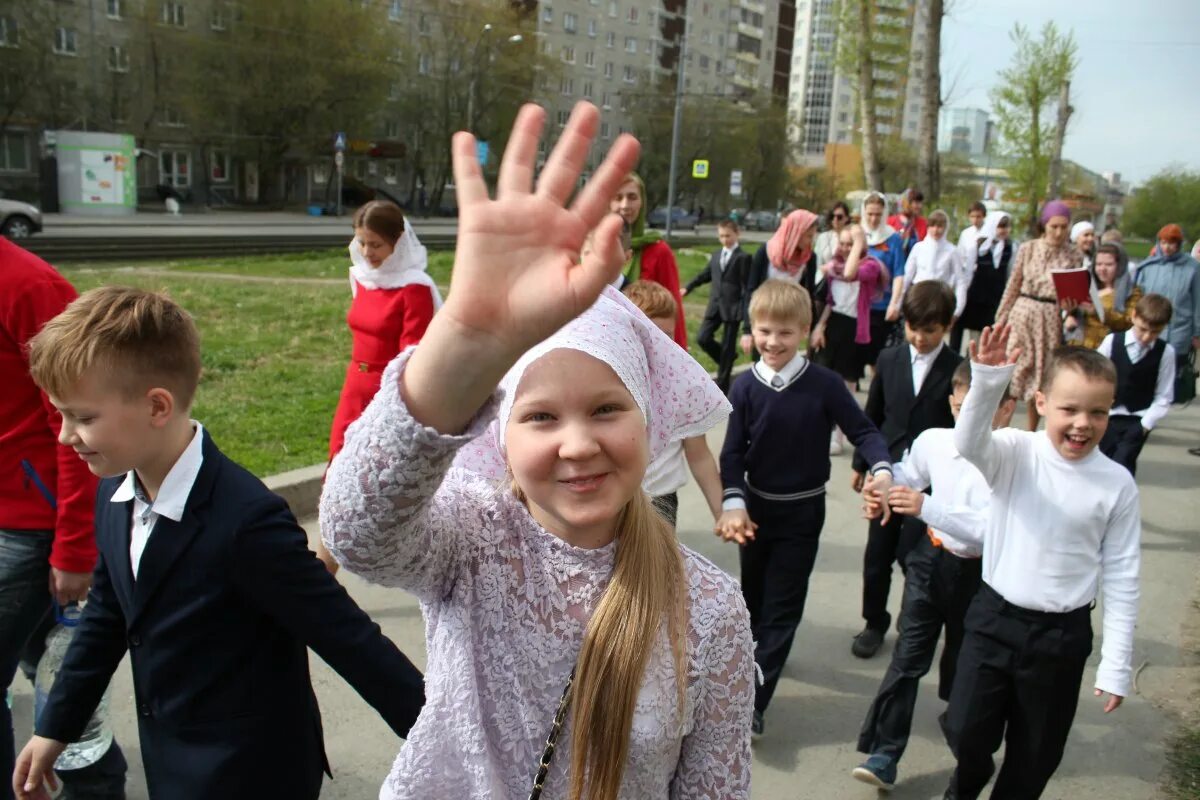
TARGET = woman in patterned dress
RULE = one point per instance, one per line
(1030, 303)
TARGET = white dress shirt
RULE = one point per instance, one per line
(170, 502)
(921, 362)
(1058, 528)
(938, 260)
(958, 508)
(1164, 387)
(968, 245)
(726, 253)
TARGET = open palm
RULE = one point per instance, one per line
(992, 347)
(517, 276)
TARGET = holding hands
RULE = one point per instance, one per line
(735, 525)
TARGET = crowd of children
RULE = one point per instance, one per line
(533, 447)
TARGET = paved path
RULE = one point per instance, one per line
(813, 722)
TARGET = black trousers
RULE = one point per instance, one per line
(723, 352)
(938, 588)
(1019, 675)
(1123, 440)
(886, 545)
(776, 567)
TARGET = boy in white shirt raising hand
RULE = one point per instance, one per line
(1064, 521)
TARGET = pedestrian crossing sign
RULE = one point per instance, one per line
(700, 168)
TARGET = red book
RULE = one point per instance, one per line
(1072, 284)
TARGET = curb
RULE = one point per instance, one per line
(301, 488)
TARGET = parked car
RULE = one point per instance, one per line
(19, 220)
(761, 221)
(738, 215)
(680, 218)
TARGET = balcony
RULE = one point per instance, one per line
(755, 6)
(746, 29)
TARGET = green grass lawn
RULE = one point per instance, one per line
(275, 353)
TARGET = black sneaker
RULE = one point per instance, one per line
(867, 643)
(756, 725)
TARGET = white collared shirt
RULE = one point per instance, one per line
(1164, 387)
(921, 362)
(170, 502)
(958, 508)
(968, 245)
(1059, 529)
(786, 374)
(726, 254)
(938, 260)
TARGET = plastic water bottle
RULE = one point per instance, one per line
(97, 736)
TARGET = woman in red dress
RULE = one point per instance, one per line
(393, 301)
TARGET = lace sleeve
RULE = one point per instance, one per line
(389, 511)
(714, 759)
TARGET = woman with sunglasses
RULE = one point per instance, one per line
(827, 241)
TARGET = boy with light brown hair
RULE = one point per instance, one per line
(204, 577)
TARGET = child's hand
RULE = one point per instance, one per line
(734, 525)
(1071, 324)
(893, 312)
(747, 342)
(515, 278)
(817, 340)
(35, 768)
(878, 484)
(1112, 703)
(872, 504)
(992, 348)
(856, 481)
(906, 501)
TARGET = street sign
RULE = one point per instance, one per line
(481, 152)
(339, 142)
(700, 168)
(338, 159)
(735, 182)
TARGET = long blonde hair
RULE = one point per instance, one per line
(647, 586)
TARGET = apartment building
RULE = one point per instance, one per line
(963, 130)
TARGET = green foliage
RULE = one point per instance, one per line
(1172, 195)
(1023, 103)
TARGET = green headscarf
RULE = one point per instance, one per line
(639, 236)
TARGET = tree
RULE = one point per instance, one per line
(1172, 195)
(37, 84)
(1021, 103)
(928, 176)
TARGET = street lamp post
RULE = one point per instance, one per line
(677, 125)
(516, 38)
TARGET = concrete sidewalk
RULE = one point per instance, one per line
(813, 722)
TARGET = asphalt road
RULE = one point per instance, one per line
(808, 750)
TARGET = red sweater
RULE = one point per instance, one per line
(32, 293)
(658, 265)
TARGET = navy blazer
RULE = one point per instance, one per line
(900, 414)
(217, 625)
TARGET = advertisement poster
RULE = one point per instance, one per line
(102, 176)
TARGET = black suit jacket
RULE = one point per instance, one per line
(217, 625)
(892, 406)
(760, 269)
(725, 298)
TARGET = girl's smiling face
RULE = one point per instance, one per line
(577, 446)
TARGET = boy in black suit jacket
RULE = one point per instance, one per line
(204, 577)
(726, 270)
(910, 393)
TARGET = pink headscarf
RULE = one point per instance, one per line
(675, 395)
(781, 247)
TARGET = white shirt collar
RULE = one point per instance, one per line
(173, 494)
(914, 356)
(788, 373)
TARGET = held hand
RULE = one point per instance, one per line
(872, 504)
(747, 342)
(893, 313)
(991, 349)
(879, 484)
(735, 526)
(35, 769)
(857, 479)
(515, 278)
(1068, 304)
(69, 587)
(906, 501)
(1112, 703)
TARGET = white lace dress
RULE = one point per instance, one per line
(505, 605)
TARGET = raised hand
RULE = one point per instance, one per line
(516, 279)
(992, 348)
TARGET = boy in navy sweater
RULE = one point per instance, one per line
(910, 393)
(774, 467)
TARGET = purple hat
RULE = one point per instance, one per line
(1055, 208)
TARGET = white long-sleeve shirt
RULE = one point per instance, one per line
(1164, 386)
(938, 260)
(968, 245)
(958, 508)
(1059, 528)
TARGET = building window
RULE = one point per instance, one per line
(113, 9)
(592, 28)
(562, 118)
(392, 129)
(630, 74)
(391, 172)
(118, 59)
(424, 64)
(608, 69)
(172, 14)
(605, 130)
(633, 15)
(423, 25)
(218, 166)
(395, 11)
(175, 168)
(568, 54)
(8, 32)
(587, 89)
(171, 117)
(704, 63)
(218, 17)
(606, 101)
(455, 65)
(547, 13)
(567, 86)
(630, 44)
(14, 151)
(589, 59)
(570, 23)
(64, 41)
(613, 11)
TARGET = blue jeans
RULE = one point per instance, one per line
(25, 612)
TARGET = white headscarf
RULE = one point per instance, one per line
(406, 265)
(676, 396)
(1080, 228)
(987, 232)
(878, 235)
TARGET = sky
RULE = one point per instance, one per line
(1136, 90)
